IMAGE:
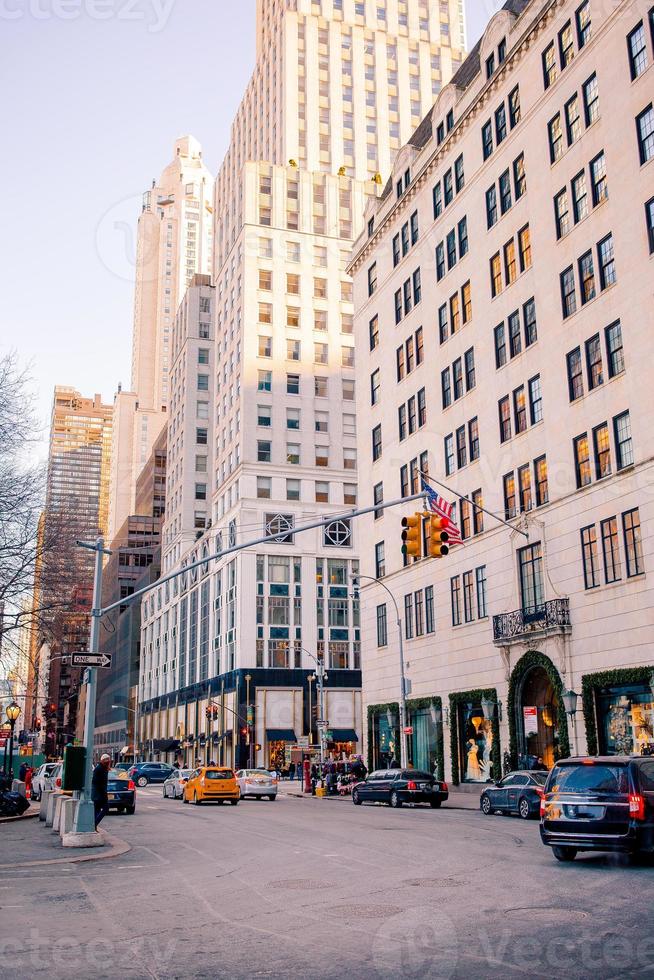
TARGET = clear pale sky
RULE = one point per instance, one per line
(94, 94)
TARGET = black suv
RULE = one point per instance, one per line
(604, 803)
(150, 772)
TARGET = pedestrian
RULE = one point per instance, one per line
(99, 788)
(291, 771)
(22, 771)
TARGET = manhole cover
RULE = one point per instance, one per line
(365, 911)
(301, 884)
(434, 882)
(547, 914)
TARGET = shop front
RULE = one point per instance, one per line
(342, 742)
(277, 740)
(538, 726)
(619, 711)
(424, 735)
(383, 735)
(474, 732)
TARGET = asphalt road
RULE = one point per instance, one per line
(320, 888)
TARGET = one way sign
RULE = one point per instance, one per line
(90, 660)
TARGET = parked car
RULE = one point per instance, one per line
(519, 792)
(121, 792)
(174, 785)
(398, 786)
(55, 777)
(256, 783)
(604, 803)
(40, 779)
(149, 772)
(211, 783)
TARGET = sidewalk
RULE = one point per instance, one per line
(29, 843)
(456, 800)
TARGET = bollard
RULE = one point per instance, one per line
(68, 808)
(45, 796)
(49, 816)
(18, 786)
(57, 813)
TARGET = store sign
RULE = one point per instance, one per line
(530, 717)
(408, 730)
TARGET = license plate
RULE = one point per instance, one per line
(584, 812)
(112, 796)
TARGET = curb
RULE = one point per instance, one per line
(117, 846)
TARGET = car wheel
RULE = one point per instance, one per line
(356, 799)
(395, 801)
(435, 804)
(165, 793)
(220, 802)
(524, 809)
(142, 781)
(184, 799)
(130, 811)
(234, 802)
(272, 798)
(486, 806)
(565, 853)
(196, 801)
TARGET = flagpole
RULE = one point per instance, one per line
(444, 486)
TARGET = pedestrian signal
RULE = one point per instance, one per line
(437, 536)
(412, 536)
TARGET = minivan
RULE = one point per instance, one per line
(603, 803)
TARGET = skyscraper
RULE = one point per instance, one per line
(337, 87)
(174, 241)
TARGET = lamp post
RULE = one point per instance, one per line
(570, 699)
(321, 677)
(403, 683)
(12, 711)
(249, 717)
(311, 678)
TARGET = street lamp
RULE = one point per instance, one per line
(321, 677)
(12, 711)
(570, 699)
(310, 678)
(403, 682)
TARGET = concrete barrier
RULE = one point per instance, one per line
(56, 820)
(50, 812)
(45, 796)
(68, 808)
(18, 786)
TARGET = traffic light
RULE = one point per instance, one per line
(437, 536)
(244, 731)
(412, 536)
(37, 724)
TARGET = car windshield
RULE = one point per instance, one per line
(219, 774)
(589, 778)
(183, 773)
(256, 772)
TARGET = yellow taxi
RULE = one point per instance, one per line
(211, 783)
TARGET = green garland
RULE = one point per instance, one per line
(533, 658)
(462, 697)
(413, 704)
(591, 683)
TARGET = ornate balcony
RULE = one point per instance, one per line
(516, 626)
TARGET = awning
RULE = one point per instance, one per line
(218, 738)
(165, 744)
(344, 735)
(280, 735)
(127, 750)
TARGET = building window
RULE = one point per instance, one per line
(461, 448)
(582, 19)
(550, 69)
(649, 220)
(514, 107)
(540, 474)
(372, 278)
(491, 207)
(455, 596)
(373, 330)
(378, 498)
(599, 187)
(520, 409)
(375, 387)
(524, 247)
(590, 556)
(504, 407)
(575, 374)
(524, 488)
(582, 460)
(263, 451)
(449, 455)
(380, 561)
(614, 350)
(515, 336)
(376, 443)
(496, 275)
(292, 489)
(594, 362)
(568, 293)
(477, 512)
(510, 265)
(637, 47)
(602, 448)
(529, 318)
(469, 360)
(509, 496)
(606, 261)
(579, 197)
(535, 400)
(586, 278)
(468, 597)
(645, 131)
(430, 622)
(566, 45)
(591, 100)
(459, 176)
(623, 443)
(408, 616)
(530, 565)
(633, 546)
(572, 120)
(263, 487)
(482, 606)
(382, 625)
(293, 384)
(611, 550)
(473, 439)
(499, 337)
(487, 139)
(555, 135)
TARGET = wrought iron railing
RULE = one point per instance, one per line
(548, 615)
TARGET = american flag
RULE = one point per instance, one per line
(439, 505)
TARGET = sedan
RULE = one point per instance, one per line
(207, 783)
(256, 783)
(399, 786)
(174, 785)
(121, 792)
(150, 772)
(41, 779)
(519, 792)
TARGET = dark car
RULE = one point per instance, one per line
(519, 792)
(604, 803)
(150, 772)
(121, 792)
(398, 786)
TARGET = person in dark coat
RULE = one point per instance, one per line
(99, 788)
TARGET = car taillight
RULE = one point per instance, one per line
(58, 781)
(411, 785)
(542, 804)
(636, 806)
(444, 787)
(541, 792)
(131, 785)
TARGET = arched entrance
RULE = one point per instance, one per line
(537, 718)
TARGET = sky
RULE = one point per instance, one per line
(95, 92)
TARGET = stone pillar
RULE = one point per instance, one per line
(68, 807)
(45, 796)
(57, 813)
(50, 812)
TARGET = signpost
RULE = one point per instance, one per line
(90, 660)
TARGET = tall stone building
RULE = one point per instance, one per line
(264, 430)
(518, 377)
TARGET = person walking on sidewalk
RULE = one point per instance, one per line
(99, 788)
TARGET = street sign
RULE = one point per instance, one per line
(408, 730)
(90, 660)
(321, 723)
